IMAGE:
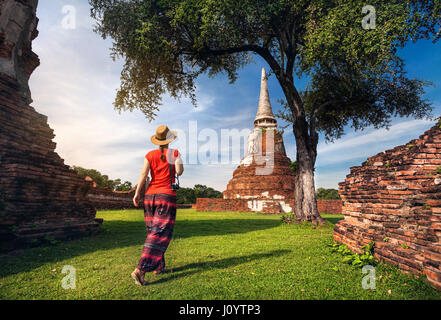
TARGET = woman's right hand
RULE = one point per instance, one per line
(136, 200)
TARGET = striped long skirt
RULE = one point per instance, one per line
(160, 217)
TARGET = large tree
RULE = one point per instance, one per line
(355, 76)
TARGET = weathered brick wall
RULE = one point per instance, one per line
(221, 205)
(329, 206)
(394, 199)
(40, 197)
(106, 199)
(242, 205)
(266, 181)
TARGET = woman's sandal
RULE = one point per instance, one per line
(136, 276)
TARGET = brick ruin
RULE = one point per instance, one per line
(263, 182)
(107, 199)
(241, 205)
(40, 197)
(394, 199)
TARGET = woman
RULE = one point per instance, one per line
(159, 202)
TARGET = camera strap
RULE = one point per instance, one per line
(170, 161)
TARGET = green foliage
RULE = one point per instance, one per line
(404, 246)
(354, 259)
(103, 180)
(438, 170)
(126, 186)
(356, 76)
(288, 219)
(386, 239)
(189, 195)
(51, 240)
(293, 166)
(327, 194)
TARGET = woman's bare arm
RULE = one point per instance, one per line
(141, 182)
(179, 166)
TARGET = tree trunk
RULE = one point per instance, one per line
(305, 206)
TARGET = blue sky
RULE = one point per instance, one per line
(77, 82)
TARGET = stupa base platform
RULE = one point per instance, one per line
(268, 206)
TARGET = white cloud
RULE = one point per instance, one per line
(357, 145)
(75, 87)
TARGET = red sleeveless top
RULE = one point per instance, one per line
(159, 171)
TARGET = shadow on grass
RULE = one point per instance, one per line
(194, 268)
(333, 220)
(197, 228)
(115, 234)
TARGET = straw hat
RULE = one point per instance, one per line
(164, 136)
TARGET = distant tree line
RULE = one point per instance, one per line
(327, 194)
(189, 195)
(103, 180)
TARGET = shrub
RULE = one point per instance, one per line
(288, 219)
(354, 259)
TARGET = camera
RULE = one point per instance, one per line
(175, 186)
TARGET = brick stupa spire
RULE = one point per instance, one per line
(265, 117)
(264, 177)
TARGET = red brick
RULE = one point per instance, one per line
(37, 187)
(415, 218)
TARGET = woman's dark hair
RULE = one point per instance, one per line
(161, 148)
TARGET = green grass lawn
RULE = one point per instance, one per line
(214, 256)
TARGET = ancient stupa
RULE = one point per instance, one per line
(264, 177)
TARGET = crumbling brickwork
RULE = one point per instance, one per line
(40, 197)
(269, 192)
(394, 199)
(329, 206)
(106, 199)
(242, 205)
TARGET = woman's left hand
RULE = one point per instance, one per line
(136, 200)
